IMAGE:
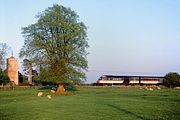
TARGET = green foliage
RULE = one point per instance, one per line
(93, 103)
(4, 77)
(56, 44)
(172, 80)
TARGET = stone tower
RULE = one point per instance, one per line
(12, 69)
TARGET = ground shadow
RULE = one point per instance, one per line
(127, 112)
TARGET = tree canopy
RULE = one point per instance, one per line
(172, 80)
(57, 45)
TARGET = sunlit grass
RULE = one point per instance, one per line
(91, 103)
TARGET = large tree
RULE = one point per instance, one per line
(57, 43)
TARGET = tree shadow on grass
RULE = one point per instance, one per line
(127, 112)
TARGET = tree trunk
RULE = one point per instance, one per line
(30, 74)
(60, 89)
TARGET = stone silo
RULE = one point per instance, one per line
(12, 69)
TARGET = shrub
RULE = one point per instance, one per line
(172, 80)
(4, 79)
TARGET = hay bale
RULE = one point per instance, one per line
(150, 89)
(158, 88)
(52, 91)
(40, 94)
(177, 87)
(49, 96)
(146, 88)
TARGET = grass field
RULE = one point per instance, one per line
(91, 103)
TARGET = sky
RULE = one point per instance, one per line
(126, 37)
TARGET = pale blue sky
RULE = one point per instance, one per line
(126, 37)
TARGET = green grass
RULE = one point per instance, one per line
(91, 103)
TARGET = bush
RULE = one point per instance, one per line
(4, 79)
(172, 80)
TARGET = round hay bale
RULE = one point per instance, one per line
(158, 88)
(52, 91)
(177, 87)
(40, 94)
(49, 96)
(150, 89)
